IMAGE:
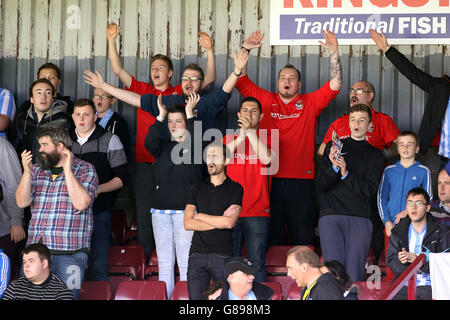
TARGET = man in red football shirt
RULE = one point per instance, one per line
(294, 115)
(161, 72)
(250, 157)
(381, 134)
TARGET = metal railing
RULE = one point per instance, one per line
(409, 275)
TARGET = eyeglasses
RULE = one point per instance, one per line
(102, 97)
(415, 203)
(358, 91)
(190, 78)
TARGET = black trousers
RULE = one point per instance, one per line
(292, 202)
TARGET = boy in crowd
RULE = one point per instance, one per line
(110, 120)
(348, 181)
(398, 179)
(105, 152)
(410, 237)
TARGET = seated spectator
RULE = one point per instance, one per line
(110, 120)
(304, 267)
(11, 224)
(239, 284)
(39, 283)
(214, 290)
(52, 73)
(440, 209)
(7, 111)
(5, 272)
(44, 111)
(413, 235)
(336, 268)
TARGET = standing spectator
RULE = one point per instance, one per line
(105, 152)
(60, 190)
(11, 216)
(212, 210)
(436, 114)
(348, 182)
(240, 284)
(295, 116)
(52, 73)
(44, 111)
(7, 111)
(161, 72)
(110, 120)
(303, 266)
(173, 181)
(397, 180)
(39, 282)
(251, 155)
(5, 272)
(413, 235)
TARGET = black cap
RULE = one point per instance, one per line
(240, 264)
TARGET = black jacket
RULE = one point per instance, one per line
(261, 291)
(438, 89)
(356, 194)
(108, 158)
(328, 287)
(172, 181)
(436, 240)
(118, 126)
(26, 125)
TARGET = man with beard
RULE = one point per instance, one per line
(60, 190)
(383, 132)
(212, 210)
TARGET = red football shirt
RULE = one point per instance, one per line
(144, 118)
(246, 169)
(296, 122)
(381, 135)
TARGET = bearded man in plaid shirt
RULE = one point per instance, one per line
(60, 190)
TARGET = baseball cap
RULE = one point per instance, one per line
(240, 264)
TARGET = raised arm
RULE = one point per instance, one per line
(240, 61)
(78, 195)
(23, 192)
(331, 44)
(112, 32)
(205, 41)
(96, 80)
(252, 42)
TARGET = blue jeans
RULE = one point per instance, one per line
(202, 268)
(347, 240)
(70, 269)
(255, 231)
(171, 239)
(100, 241)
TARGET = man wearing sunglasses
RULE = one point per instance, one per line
(383, 132)
(410, 237)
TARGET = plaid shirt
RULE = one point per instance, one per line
(54, 219)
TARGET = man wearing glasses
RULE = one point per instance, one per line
(413, 235)
(381, 134)
(110, 120)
